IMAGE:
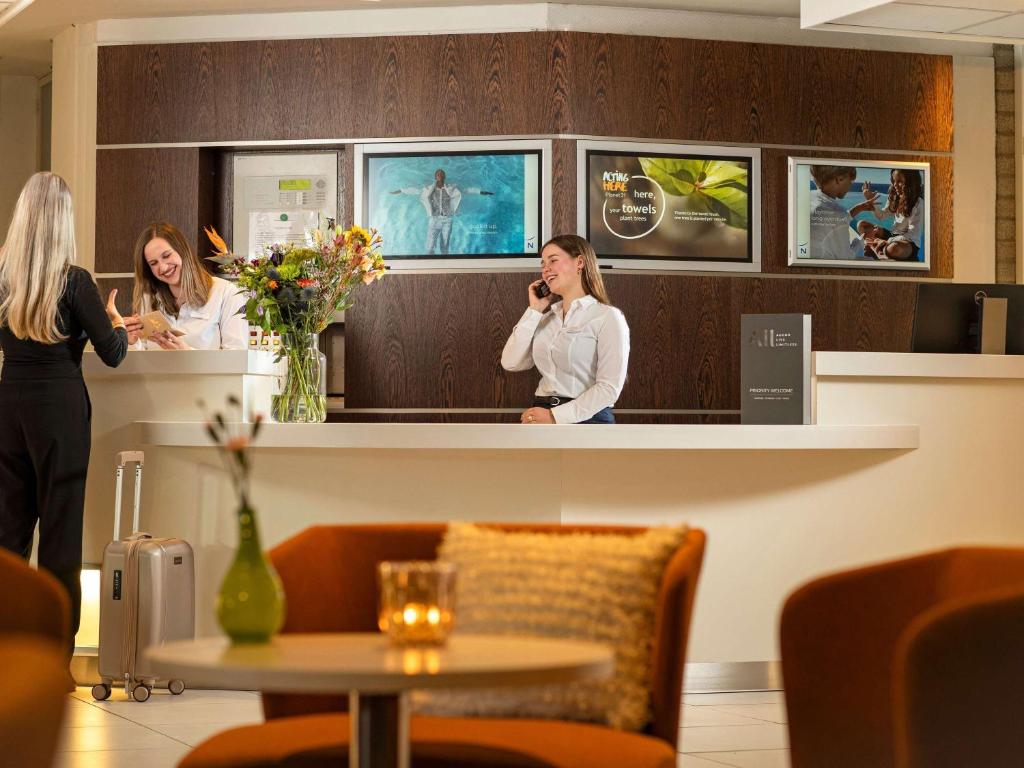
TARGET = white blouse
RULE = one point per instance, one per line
(584, 357)
(909, 228)
(215, 325)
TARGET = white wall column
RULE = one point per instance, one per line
(19, 136)
(73, 144)
(974, 170)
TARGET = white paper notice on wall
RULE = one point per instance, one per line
(269, 227)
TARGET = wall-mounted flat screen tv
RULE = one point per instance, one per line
(858, 213)
(670, 206)
(450, 205)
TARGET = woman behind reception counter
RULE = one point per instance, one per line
(170, 279)
(580, 347)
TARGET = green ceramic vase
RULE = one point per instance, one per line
(250, 607)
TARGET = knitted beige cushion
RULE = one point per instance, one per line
(582, 586)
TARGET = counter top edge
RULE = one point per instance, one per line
(675, 437)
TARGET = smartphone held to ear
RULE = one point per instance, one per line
(542, 290)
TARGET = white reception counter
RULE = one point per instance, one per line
(910, 452)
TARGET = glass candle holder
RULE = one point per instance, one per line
(417, 601)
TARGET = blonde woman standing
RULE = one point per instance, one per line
(49, 309)
(580, 343)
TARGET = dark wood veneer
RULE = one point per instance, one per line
(521, 84)
(124, 286)
(137, 186)
(435, 341)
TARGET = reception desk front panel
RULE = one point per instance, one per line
(896, 464)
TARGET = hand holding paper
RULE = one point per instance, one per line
(167, 340)
(155, 322)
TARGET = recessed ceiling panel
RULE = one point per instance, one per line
(1004, 6)
(1008, 26)
(918, 18)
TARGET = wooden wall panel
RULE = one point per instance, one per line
(434, 341)
(523, 83)
(407, 345)
(124, 286)
(875, 317)
(137, 186)
(680, 338)
(775, 214)
(563, 187)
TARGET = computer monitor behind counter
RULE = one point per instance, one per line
(946, 317)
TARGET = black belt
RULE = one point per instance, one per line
(551, 401)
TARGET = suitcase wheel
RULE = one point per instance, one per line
(177, 687)
(101, 691)
(141, 693)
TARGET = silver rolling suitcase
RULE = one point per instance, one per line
(147, 598)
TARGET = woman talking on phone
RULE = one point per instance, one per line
(580, 347)
(170, 279)
(49, 309)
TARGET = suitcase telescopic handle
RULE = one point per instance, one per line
(123, 458)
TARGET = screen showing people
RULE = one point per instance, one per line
(849, 213)
(455, 204)
(685, 205)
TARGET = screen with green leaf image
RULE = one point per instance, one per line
(679, 206)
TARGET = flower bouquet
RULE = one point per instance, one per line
(295, 290)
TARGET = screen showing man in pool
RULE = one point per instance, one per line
(471, 203)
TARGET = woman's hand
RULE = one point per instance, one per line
(540, 305)
(167, 340)
(537, 416)
(869, 194)
(112, 313)
(133, 325)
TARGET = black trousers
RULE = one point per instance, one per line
(44, 455)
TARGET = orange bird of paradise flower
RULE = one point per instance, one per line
(221, 248)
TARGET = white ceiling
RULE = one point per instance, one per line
(25, 37)
(53, 15)
(28, 26)
(994, 20)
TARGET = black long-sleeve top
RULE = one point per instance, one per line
(82, 316)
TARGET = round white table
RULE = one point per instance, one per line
(377, 675)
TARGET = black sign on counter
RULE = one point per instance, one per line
(775, 369)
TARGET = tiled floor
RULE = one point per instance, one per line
(744, 730)
(119, 733)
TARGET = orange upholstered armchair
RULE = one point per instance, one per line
(34, 629)
(329, 576)
(914, 663)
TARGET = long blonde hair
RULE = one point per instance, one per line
(574, 245)
(34, 260)
(196, 282)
